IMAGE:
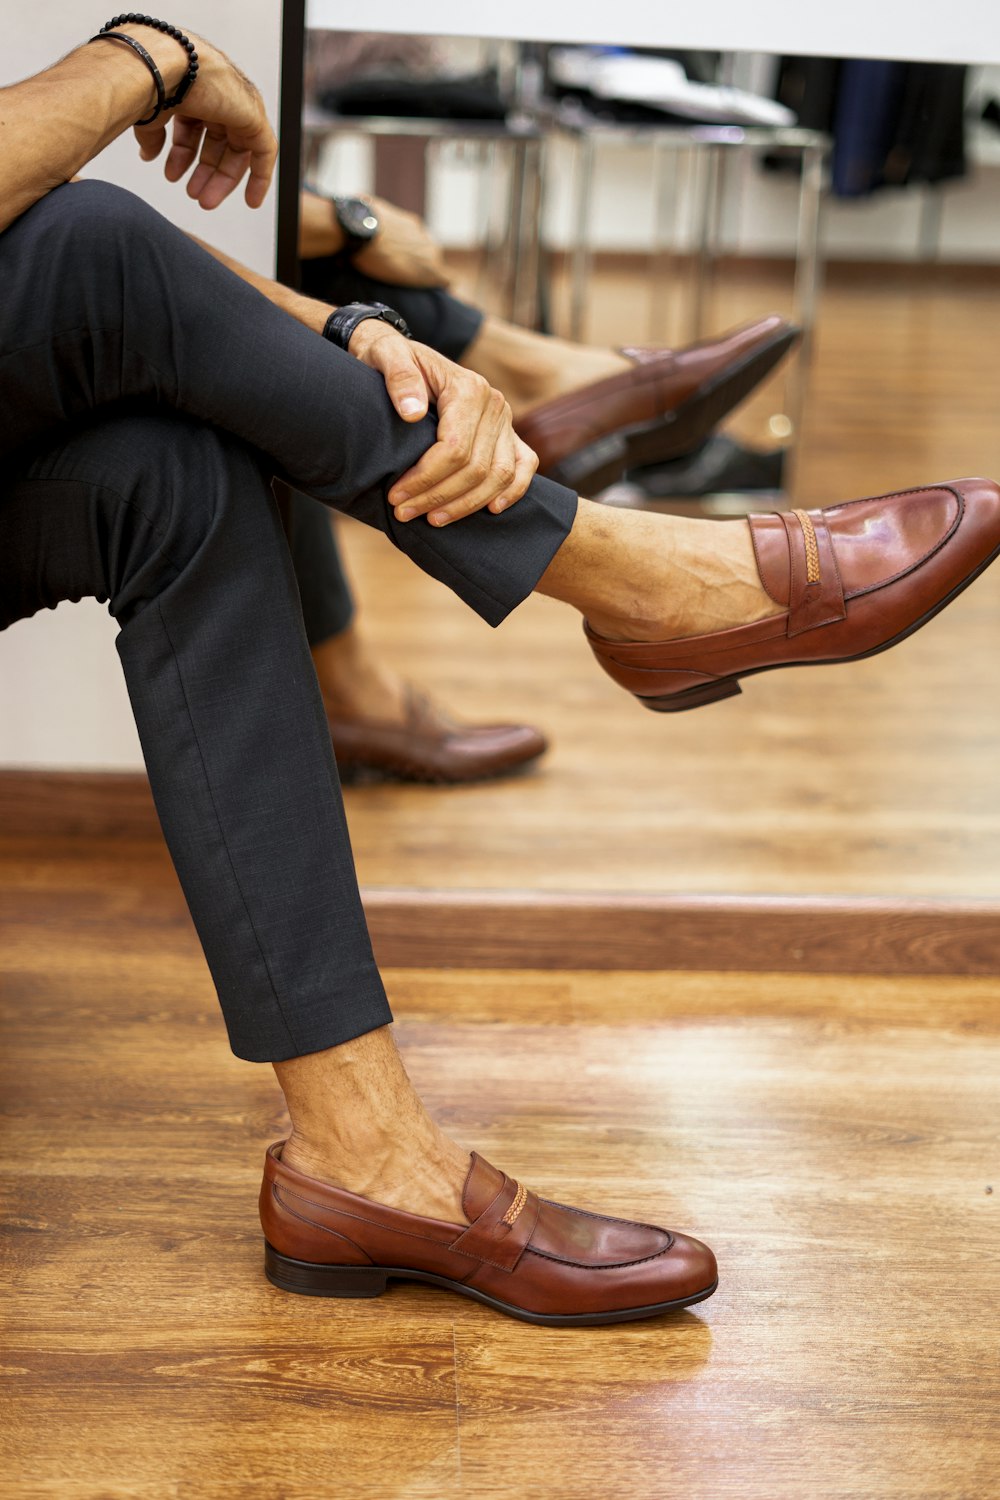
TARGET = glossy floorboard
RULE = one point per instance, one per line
(874, 779)
(834, 1139)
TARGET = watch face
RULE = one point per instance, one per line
(356, 218)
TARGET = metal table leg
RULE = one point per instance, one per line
(582, 255)
(805, 295)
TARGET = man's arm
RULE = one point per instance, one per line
(54, 123)
(478, 461)
(403, 251)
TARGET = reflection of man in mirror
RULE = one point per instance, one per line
(589, 413)
(149, 392)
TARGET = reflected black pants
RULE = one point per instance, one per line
(147, 397)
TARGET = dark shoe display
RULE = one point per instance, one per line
(534, 1260)
(428, 746)
(665, 406)
(720, 466)
(852, 580)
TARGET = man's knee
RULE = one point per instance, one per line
(172, 490)
(90, 213)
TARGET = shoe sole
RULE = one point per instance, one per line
(310, 1280)
(360, 773)
(676, 433)
(729, 687)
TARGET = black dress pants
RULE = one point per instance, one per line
(147, 396)
(435, 318)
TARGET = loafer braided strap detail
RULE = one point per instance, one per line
(535, 1260)
(848, 581)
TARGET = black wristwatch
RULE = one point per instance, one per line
(343, 320)
(358, 222)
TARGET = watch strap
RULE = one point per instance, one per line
(342, 322)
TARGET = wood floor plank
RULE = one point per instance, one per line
(835, 1138)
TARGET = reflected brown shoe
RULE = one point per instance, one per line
(666, 405)
(851, 580)
(537, 1261)
(430, 747)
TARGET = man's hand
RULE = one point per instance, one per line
(402, 252)
(221, 124)
(478, 461)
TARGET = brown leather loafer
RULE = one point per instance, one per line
(534, 1260)
(428, 746)
(666, 405)
(851, 580)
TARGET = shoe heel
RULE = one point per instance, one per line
(694, 697)
(311, 1280)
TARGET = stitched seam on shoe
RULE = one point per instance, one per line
(760, 570)
(287, 1208)
(904, 572)
(586, 1213)
(489, 1205)
(583, 1265)
(682, 665)
(389, 1229)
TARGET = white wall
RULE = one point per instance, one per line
(964, 31)
(62, 697)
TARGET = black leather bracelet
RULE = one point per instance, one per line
(133, 19)
(140, 51)
(342, 322)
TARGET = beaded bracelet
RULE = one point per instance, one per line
(162, 103)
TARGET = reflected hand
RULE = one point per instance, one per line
(403, 251)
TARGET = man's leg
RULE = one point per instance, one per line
(173, 523)
(129, 307)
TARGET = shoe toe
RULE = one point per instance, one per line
(693, 1266)
(506, 745)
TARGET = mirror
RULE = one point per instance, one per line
(869, 780)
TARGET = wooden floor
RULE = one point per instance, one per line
(834, 1139)
(875, 779)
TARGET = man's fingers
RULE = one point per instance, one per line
(212, 182)
(525, 469)
(184, 147)
(220, 158)
(465, 405)
(488, 472)
(151, 139)
(262, 162)
(416, 492)
(500, 476)
(394, 359)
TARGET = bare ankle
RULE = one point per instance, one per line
(358, 1123)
